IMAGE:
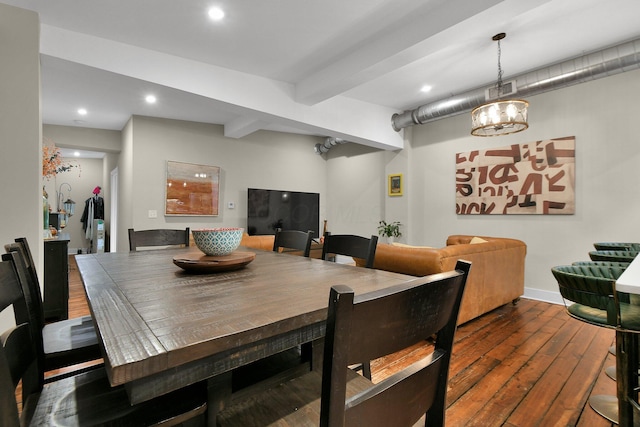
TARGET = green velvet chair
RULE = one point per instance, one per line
(590, 296)
(616, 246)
(633, 299)
(619, 264)
(615, 256)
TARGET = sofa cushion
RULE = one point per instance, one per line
(477, 239)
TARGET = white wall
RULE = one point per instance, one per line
(261, 160)
(355, 189)
(602, 115)
(357, 178)
(20, 133)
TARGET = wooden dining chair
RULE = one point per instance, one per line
(157, 237)
(62, 343)
(83, 399)
(293, 239)
(370, 326)
(353, 246)
(350, 245)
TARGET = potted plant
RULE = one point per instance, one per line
(389, 230)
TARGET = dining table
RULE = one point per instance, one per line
(162, 326)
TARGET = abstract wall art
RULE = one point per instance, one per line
(192, 189)
(532, 178)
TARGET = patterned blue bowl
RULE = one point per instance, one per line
(217, 241)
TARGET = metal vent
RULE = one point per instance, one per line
(508, 88)
(607, 62)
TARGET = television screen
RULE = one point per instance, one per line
(288, 210)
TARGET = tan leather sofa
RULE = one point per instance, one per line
(497, 270)
(258, 242)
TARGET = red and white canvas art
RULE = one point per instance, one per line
(532, 178)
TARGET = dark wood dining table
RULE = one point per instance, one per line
(163, 328)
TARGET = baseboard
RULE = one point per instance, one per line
(540, 295)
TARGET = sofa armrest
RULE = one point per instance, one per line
(415, 261)
(503, 242)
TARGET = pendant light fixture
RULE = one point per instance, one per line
(499, 117)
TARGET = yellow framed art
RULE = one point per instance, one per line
(395, 184)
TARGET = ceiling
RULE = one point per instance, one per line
(332, 68)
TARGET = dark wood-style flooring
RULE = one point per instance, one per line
(523, 365)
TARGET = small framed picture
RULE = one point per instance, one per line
(395, 184)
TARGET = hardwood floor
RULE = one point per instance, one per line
(524, 365)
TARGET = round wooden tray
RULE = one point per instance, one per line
(198, 262)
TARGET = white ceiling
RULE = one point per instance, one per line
(336, 68)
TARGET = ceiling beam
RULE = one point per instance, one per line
(243, 126)
(249, 95)
(390, 49)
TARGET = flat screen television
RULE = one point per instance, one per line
(288, 210)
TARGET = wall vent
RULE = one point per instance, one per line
(508, 88)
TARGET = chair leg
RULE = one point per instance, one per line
(626, 376)
(366, 369)
(219, 395)
(622, 409)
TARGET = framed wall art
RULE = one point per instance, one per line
(395, 185)
(192, 189)
(534, 178)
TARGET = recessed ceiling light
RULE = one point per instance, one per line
(216, 13)
(76, 153)
(82, 111)
(150, 99)
(425, 88)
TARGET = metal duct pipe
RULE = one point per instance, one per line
(607, 62)
(328, 143)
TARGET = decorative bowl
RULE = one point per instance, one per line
(217, 241)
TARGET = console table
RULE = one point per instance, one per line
(56, 278)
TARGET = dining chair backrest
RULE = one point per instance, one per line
(61, 343)
(350, 245)
(29, 310)
(157, 237)
(293, 239)
(20, 362)
(368, 326)
(32, 292)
